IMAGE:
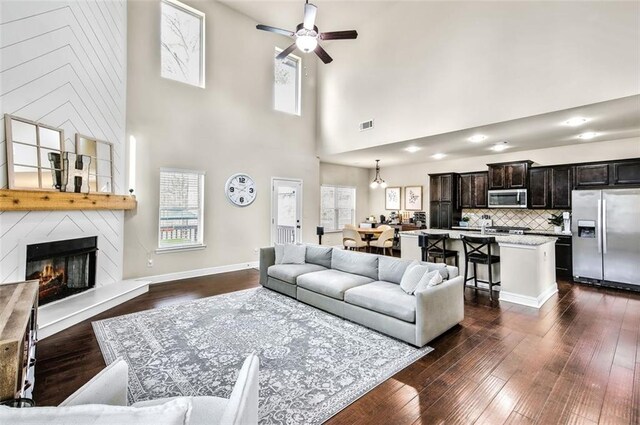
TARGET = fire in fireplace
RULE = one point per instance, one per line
(63, 268)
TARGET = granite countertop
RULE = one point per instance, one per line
(527, 232)
(529, 240)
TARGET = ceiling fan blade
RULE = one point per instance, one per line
(274, 29)
(323, 55)
(310, 11)
(339, 35)
(286, 52)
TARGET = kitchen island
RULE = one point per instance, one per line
(526, 269)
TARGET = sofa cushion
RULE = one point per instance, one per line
(391, 269)
(332, 283)
(412, 276)
(432, 278)
(320, 255)
(294, 254)
(173, 412)
(279, 251)
(355, 262)
(384, 297)
(204, 410)
(290, 272)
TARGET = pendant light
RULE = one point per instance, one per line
(377, 181)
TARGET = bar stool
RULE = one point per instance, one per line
(472, 246)
(434, 245)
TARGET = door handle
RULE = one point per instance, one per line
(604, 226)
(599, 227)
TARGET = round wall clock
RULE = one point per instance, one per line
(240, 189)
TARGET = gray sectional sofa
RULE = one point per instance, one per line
(365, 289)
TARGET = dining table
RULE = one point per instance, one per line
(368, 233)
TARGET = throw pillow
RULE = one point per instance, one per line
(412, 276)
(442, 269)
(294, 254)
(175, 412)
(429, 279)
(279, 248)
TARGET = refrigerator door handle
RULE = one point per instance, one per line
(599, 227)
(604, 226)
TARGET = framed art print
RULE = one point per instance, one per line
(413, 198)
(392, 198)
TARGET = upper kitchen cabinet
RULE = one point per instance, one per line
(550, 187)
(443, 208)
(626, 172)
(611, 173)
(509, 175)
(472, 190)
(589, 175)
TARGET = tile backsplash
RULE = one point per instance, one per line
(534, 219)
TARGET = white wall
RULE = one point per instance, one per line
(425, 68)
(63, 63)
(416, 174)
(228, 127)
(341, 175)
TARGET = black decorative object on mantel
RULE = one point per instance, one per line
(320, 232)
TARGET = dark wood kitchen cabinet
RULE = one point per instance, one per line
(472, 190)
(443, 208)
(626, 172)
(550, 187)
(509, 175)
(588, 175)
(564, 257)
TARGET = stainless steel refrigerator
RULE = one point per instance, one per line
(606, 237)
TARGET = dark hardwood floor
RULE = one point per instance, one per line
(575, 361)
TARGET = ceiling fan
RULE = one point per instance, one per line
(307, 35)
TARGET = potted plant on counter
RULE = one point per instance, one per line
(556, 220)
(464, 222)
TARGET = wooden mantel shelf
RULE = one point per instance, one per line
(34, 200)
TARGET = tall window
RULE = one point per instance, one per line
(286, 84)
(181, 209)
(338, 207)
(182, 43)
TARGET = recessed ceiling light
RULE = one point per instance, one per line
(575, 121)
(588, 135)
(412, 149)
(477, 138)
(438, 156)
(499, 147)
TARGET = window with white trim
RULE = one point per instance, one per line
(337, 207)
(286, 84)
(181, 209)
(182, 43)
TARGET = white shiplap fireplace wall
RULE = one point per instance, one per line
(63, 63)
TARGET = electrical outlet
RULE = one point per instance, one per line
(149, 262)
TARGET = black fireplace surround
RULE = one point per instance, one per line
(64, 268)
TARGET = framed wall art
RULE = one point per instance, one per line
(392, 197)
(413, 198)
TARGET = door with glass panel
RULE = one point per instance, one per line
(286, 211)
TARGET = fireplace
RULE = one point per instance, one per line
(63, 268)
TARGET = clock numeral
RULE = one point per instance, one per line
(242, 179)
(250, 190)
(232, 189)
(242, 200)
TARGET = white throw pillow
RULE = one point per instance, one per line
(294, 254)
(175, 412)
(412, 276)
(432, 278)
(279, 248)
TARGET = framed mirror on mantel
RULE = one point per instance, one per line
(101, 166)
(29, 145)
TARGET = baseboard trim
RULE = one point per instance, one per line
(535, 302)
(199, 272)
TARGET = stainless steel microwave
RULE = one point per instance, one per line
(508, 198)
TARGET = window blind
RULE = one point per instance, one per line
(338, 206)
(181, 208)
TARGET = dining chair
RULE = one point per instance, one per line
(351, 239)
(350, 226)
(385, 241)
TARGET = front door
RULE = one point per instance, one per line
(286, 211)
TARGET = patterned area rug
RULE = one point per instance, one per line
(312, 364)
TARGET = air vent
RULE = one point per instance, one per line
(367, 125)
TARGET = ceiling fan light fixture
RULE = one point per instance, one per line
(306, 43)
